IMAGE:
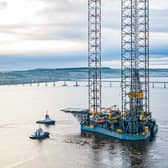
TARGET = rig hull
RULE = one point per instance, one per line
(121, 136)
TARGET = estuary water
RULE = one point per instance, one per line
(21, 106)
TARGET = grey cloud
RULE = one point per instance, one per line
(61, 20)
(67, 20)
(3, 5)
(46, 31)
(159, 20)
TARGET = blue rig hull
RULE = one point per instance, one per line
(121, 136)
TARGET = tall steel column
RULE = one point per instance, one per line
(135, 57)
(94, 55)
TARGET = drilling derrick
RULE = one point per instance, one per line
(135, 61)
(94, 55)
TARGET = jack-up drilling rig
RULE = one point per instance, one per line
(134, 121)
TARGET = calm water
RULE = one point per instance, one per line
(21, 106)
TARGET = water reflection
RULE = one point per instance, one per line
(115, 153)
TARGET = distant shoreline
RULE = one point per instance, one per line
(63, 74)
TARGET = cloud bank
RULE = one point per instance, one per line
(58, 28)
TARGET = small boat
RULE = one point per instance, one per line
(47, 120)
(39, 134)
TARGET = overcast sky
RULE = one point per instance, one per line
(53, 33)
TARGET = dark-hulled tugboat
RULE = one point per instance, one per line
(40, 134)
(47, 120)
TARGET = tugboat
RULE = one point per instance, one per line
(39, 134)
(47, 120)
